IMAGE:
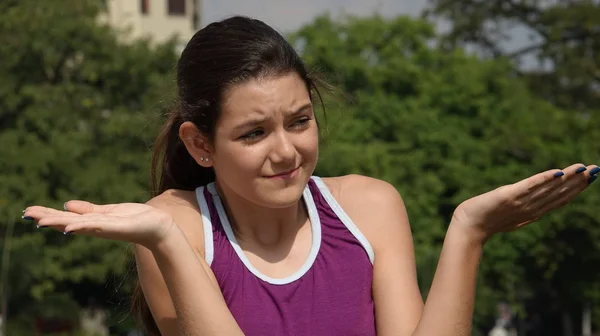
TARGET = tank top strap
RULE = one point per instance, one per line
(325, 213)
(214, 234)
(333, 217)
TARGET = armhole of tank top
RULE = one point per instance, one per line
(343, 216)
(206, 226)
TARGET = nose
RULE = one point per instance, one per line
(283, 150)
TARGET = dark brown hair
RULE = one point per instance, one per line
(218, 56)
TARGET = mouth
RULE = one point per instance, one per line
(285, 175)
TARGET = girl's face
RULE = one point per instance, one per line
(266, 141)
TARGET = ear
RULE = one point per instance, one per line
(196, 143)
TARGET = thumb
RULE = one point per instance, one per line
(83, 207)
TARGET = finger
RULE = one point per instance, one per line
(95, 224)
(100, 226)
(592, 172)
(572, 176)
(580, 171)
(37, 212)
(532, 183)
(84, 207)
(539, 185)
(530, 188)
(87, 229)
(573, 179)
(575, 184)
(57, 222)
(62, 223)
(576, 178)
(565, 197)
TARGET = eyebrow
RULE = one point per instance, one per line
(257, 121)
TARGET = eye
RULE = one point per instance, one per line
(301, 122)
(252, 135)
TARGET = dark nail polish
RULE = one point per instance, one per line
(41, 226)
(580, 170)
(27, 217)
(559, 174)
(592, 179)
(66, 233)
(595, 171)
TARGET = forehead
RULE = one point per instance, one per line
(266, 95)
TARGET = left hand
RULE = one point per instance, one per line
(515, 205)
(130, 222)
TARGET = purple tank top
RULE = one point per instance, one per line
(329, 295)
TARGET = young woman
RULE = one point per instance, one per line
(241, 238)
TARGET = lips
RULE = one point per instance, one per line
(284, 174)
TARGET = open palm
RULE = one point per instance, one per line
(512, 206)
(131, 222)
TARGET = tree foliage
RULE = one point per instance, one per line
(562, 40)
(78, 113)
(77, 116)
(444, 126)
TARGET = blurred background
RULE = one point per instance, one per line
(445, 99)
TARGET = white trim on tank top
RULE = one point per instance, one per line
(315, 222)
(341, 214)
(315, 225)
(206, 225)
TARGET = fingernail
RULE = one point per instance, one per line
(65, 206)
(66, 233)
(27, 217)
(592, 179)
(41, 226)
(595, 171)
(580, 170)
(559, 174)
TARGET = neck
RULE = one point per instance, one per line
(262, 225)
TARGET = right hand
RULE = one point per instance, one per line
(515, 205)
(131, 222)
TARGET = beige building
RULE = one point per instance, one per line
(157, 19)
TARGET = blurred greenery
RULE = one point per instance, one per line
(79, 110)
(560, 38)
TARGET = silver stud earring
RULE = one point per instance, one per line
(202, 158)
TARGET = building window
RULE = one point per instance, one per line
(176, 7)
(145, 6)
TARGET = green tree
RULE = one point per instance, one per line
(445, 126)
(78, 110)
(564, 42)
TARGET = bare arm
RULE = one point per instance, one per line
(379, 212)
(200, 307)
(449, 307)
(179, 286)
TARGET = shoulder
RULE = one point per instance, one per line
(375, 206)
(174, 198)
(363, 192)
(183, 207)
(355, 182)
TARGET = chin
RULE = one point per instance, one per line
(282, 194)
(282, 200)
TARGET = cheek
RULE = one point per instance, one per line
(310, 142)
(236, 159)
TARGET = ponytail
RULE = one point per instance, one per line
(172, 168)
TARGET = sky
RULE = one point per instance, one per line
(288, 15)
